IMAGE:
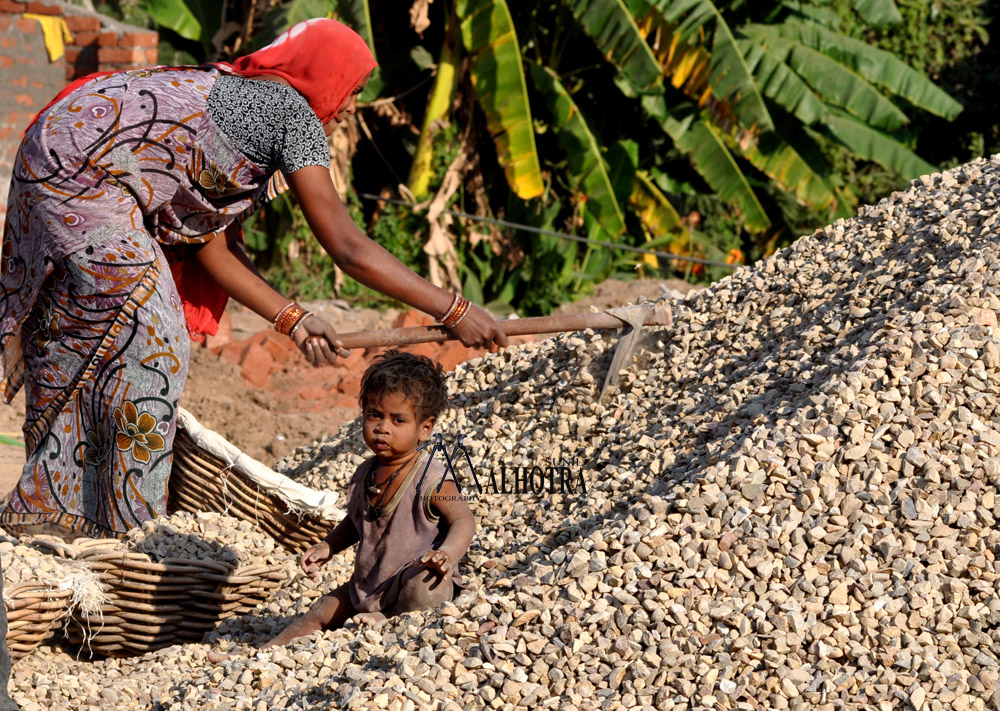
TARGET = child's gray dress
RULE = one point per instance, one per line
(391, 543)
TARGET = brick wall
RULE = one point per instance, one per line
(28, 80)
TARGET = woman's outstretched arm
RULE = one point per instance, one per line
(374, 266)
(226, 262)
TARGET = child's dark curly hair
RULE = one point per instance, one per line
(416, 376)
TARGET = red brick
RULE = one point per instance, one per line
(85, 39)
(351, 384)
(431, 350)
(139, 39)
(114, 55)
(28, 27)
(83, 23)
(349, 401)
(279, 354)
(260, 337)
(223, 337)
(41, 8)
(152, 56)
(410, 318)
(5, 24)
(81, 69)
(234, 352)
(313, 394)
(8, 6)
(108, 39)
(451, 354)
(282, 341)
(357, 359)
(256, 368)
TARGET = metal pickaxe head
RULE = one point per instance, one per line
(633, 319)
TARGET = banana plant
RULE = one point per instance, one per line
(191, 19)
(490, 40)
(764, 93)
(658, 217)
(438, 106)
(586, 166)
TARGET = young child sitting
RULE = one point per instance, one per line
(409, 540)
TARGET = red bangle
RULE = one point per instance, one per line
(456, 314)
(451, 309)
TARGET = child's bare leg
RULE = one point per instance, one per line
(327, 613)
(422, 588)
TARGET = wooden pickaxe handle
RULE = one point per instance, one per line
(658, 316)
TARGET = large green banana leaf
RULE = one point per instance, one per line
(795, 170)
(357, 14)
(703, 142)
(612, 27)
(836, 83)
(585, 164)
(780, 84)
(193, 20)
(878, 12)
(807, 10)
(286, 14)
(438, 105)
(731, 78)
(697, 138)
(876, 65)
(498, 77)
(874, 145)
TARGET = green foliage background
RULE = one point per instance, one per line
(637, 121)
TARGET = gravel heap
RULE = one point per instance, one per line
(202, 536)
(30, 563)
(790, 503)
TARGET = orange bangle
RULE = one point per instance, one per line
(281, 313)
(287, 318)
(295, 326)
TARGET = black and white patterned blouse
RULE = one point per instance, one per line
(271, 123)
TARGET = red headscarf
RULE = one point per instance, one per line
(322, 59)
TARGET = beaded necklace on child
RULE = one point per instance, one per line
(377, 509)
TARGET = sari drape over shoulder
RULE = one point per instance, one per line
(119, 179)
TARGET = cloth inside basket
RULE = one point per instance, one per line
(297, 497)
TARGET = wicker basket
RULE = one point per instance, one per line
(35, 611)
(155, 605)
(202, 481)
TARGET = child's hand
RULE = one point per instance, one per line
(438, 560)
(315, 557)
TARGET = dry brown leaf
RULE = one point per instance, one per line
(419, 19)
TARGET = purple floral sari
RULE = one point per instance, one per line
(122, 176)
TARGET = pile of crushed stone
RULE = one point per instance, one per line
(789, 502)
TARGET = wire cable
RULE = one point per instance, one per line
(561, 235)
